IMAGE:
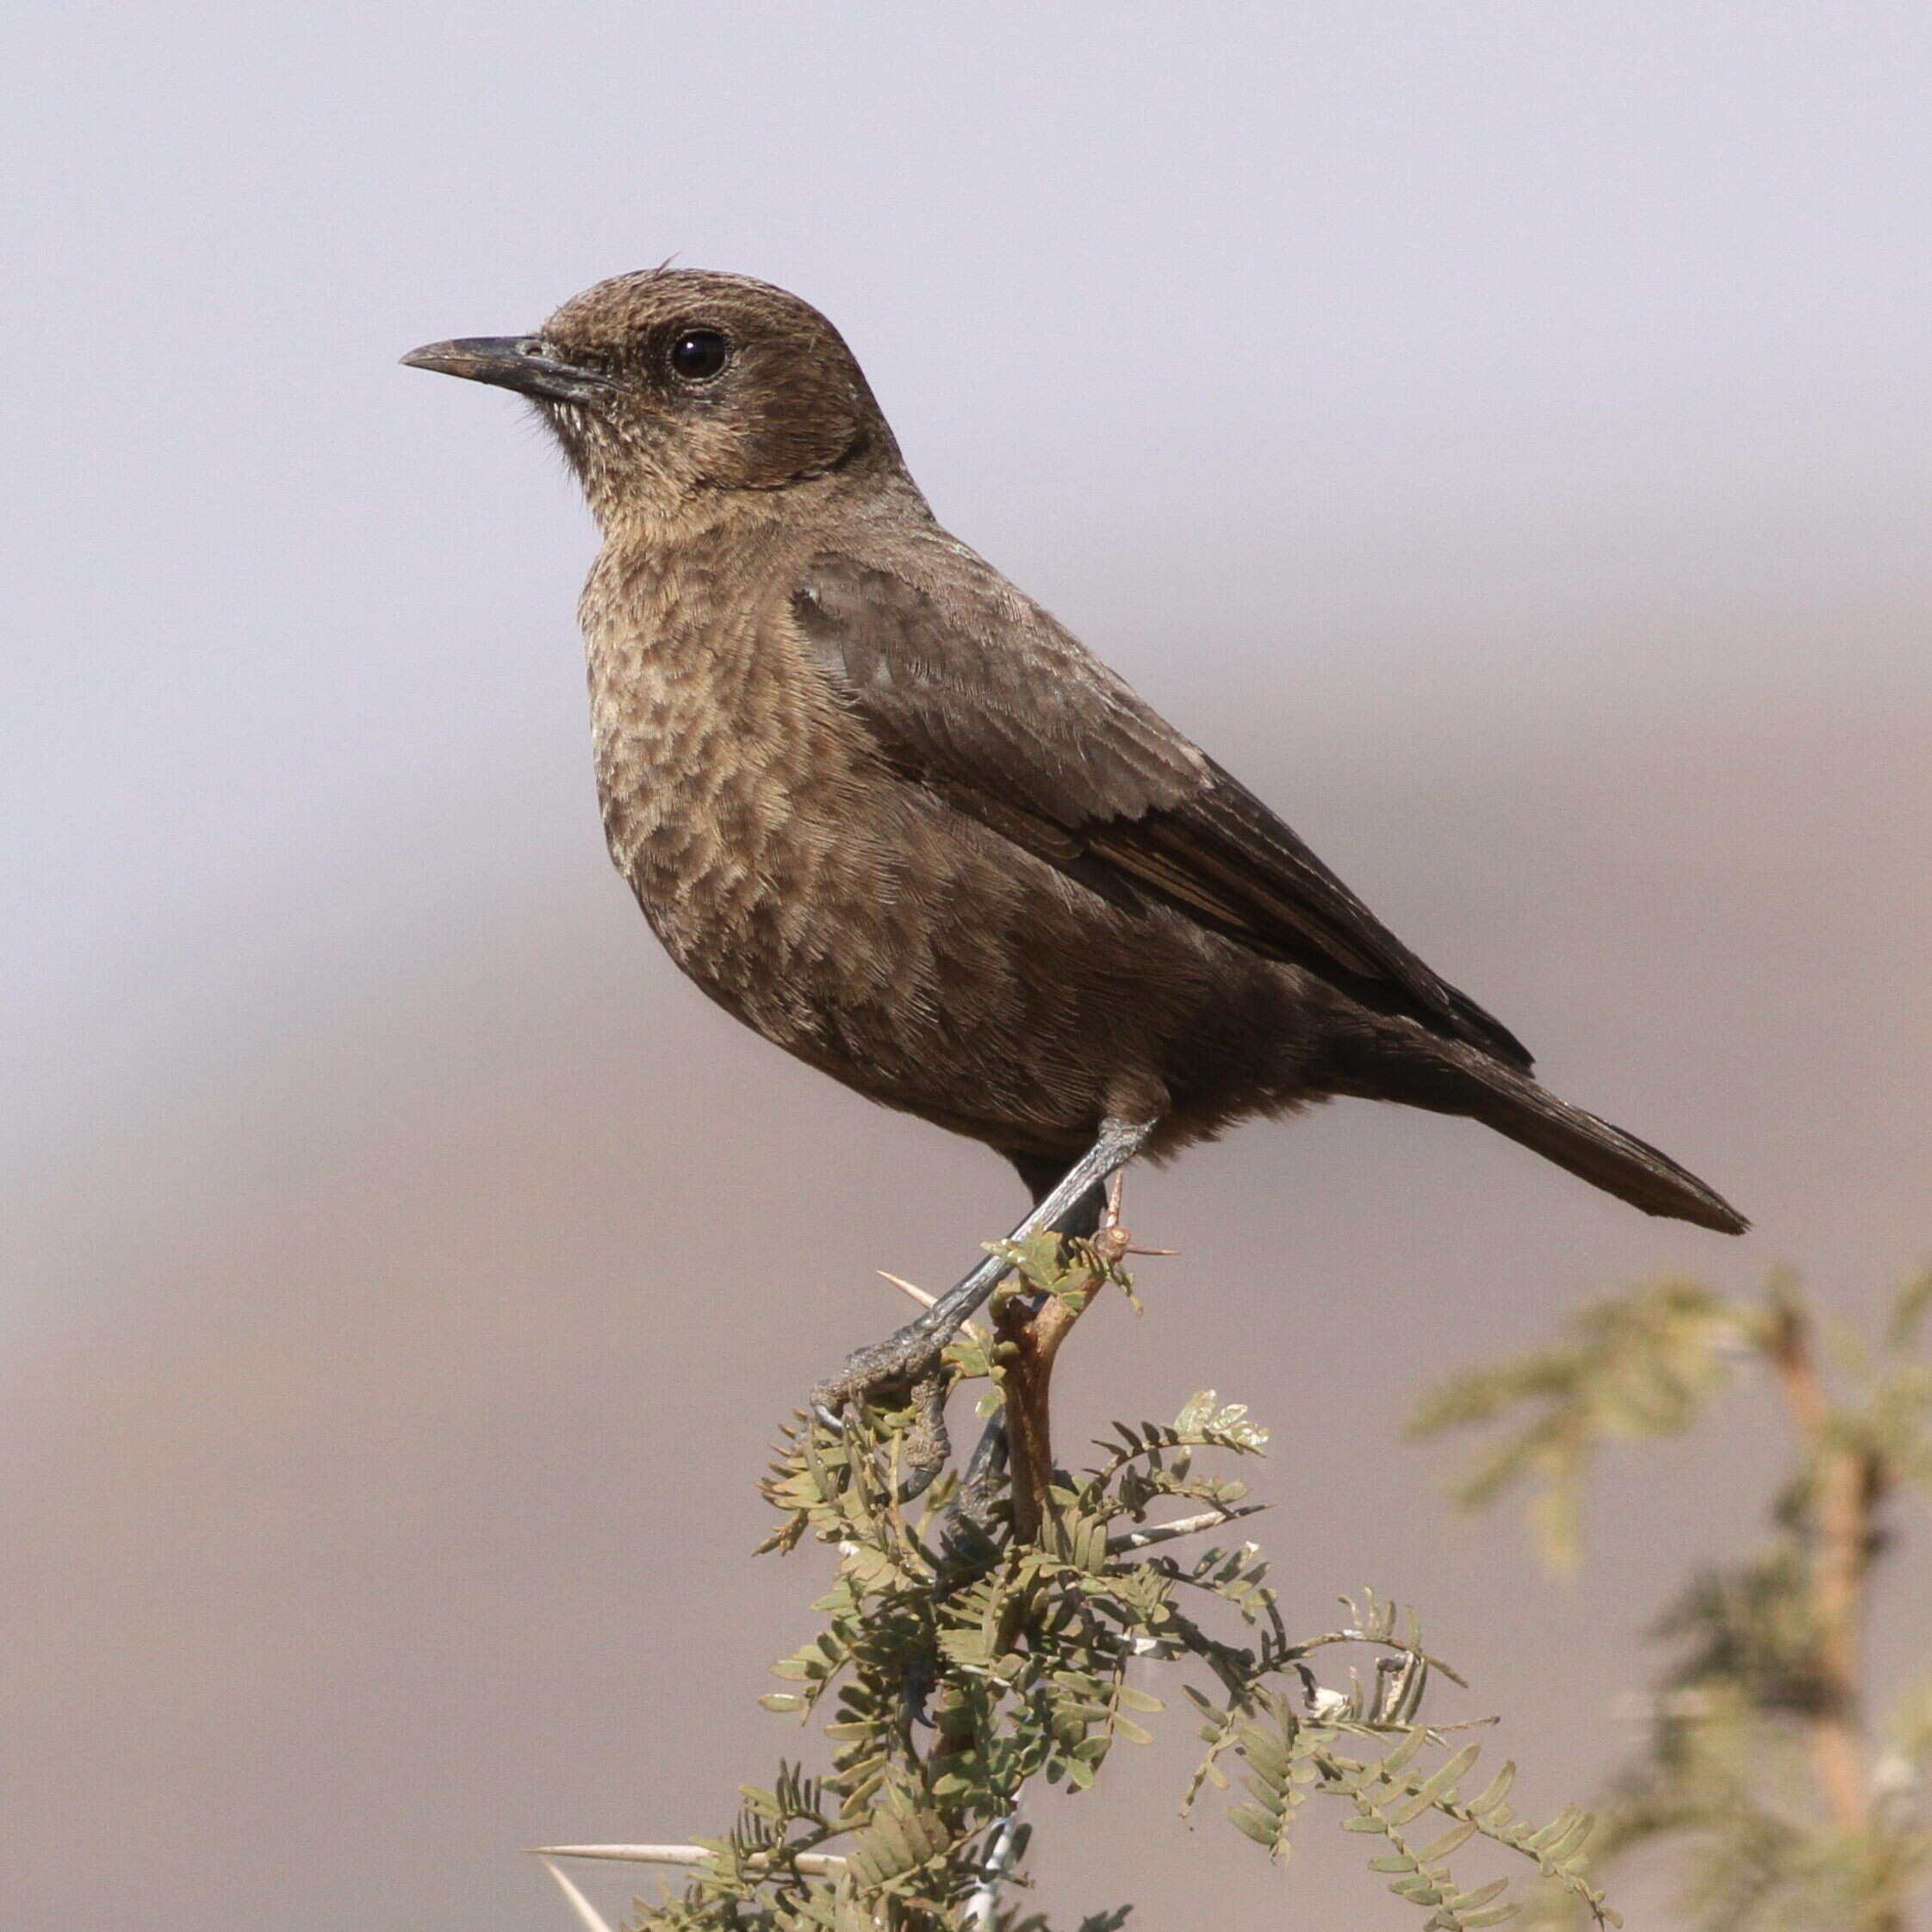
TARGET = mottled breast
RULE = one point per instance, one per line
(742, 799)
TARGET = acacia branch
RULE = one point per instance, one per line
(1028, 1339)
(1846, 1486)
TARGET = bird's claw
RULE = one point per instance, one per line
(911, 1359)
(903, 1360)
(926, 1446)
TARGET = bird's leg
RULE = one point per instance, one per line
(910, 1358)
(969, 1534)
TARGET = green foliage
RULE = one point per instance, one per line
(1789, 1803)
(954, 1665)
(1640, 1366)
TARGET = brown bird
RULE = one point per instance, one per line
(884, 810)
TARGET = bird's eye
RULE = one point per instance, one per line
(700, 354)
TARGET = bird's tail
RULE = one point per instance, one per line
(1606, 1156)
(1397, 1059)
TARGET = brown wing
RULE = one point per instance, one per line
(971, 689)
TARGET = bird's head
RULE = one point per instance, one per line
(674, 383)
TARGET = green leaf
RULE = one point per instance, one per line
(1253, 1823)
(1418, 1891)
(1493, 1792)
(1451, 1841)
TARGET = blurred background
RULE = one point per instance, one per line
(1501, 434)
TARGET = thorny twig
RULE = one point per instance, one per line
(1848, 1484)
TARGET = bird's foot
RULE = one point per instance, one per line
(909, 1364)
(926, 1446)
(906, 1358)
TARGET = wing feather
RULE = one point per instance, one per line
(971, 688)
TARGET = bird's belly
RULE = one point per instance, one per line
(935, 968)
(868, 949)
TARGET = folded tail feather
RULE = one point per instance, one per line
(1387, 1058)
(1593, 1149)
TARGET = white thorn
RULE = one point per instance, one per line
(1187, 1525)
(919, 1295)
(587, 1913)
(983, 1904)
(821, 1864)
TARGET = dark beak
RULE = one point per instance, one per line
(525, 362)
